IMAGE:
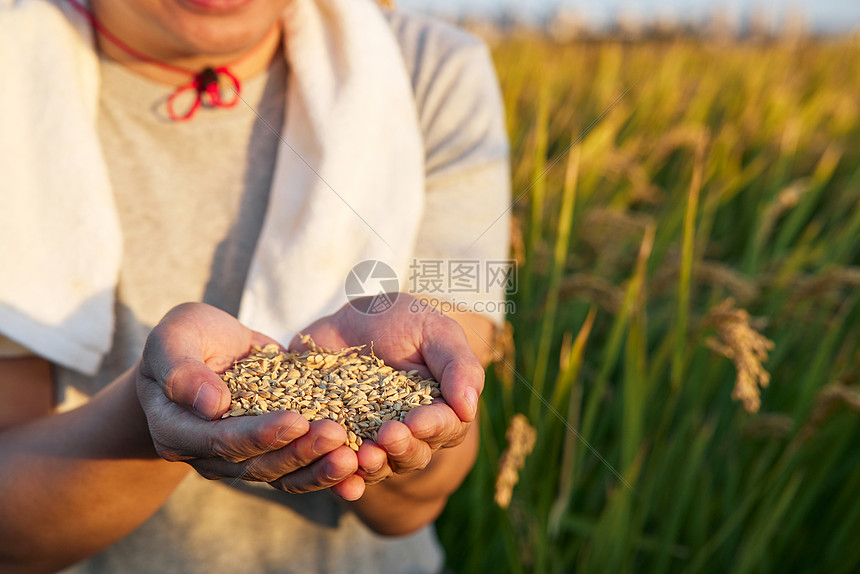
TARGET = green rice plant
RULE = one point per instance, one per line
(661, 179)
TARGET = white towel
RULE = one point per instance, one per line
(348, 184)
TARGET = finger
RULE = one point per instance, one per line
(189, 345)
(180, 435)
(351, 488)
(328, 471)
(322, 438)
(405, 452)
(257, 469)
(437, 425)
(191, 384)
(451, 360)
(373, 464)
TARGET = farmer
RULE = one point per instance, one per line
(245, 156)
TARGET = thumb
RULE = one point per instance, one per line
(190, 384)
(184, 348)
(451, 360)
(173, 362)
(461, 383)
(193, 385)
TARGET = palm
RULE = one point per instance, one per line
(398, 335)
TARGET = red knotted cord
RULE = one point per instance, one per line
(205, 84)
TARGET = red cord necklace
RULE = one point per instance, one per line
(205, 84)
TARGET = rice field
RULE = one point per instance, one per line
(686, 340)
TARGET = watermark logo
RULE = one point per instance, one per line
(450, 305)
(445, 285)
(452, 276)
(371, 287)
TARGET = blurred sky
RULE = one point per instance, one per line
(819, 15)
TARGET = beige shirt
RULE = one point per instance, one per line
(191, 198)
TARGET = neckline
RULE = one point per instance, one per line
(147, 98)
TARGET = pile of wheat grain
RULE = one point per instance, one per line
(358, 391)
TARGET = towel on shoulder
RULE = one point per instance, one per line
(348, 183)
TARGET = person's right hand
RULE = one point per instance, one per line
(183, 399)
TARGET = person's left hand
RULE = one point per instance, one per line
(407, 336)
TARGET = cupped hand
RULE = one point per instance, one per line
(409, 336)
(183, 398)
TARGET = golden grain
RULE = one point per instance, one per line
(521, 440)
(746, 347)
(357, 391)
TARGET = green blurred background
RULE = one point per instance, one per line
(686, 200)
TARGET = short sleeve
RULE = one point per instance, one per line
(461, 255)
(9, 349)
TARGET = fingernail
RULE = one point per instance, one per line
(375, 468)
(334, 473)
(281, 436)
(472, 398)
(323, 445)
(206, 401)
